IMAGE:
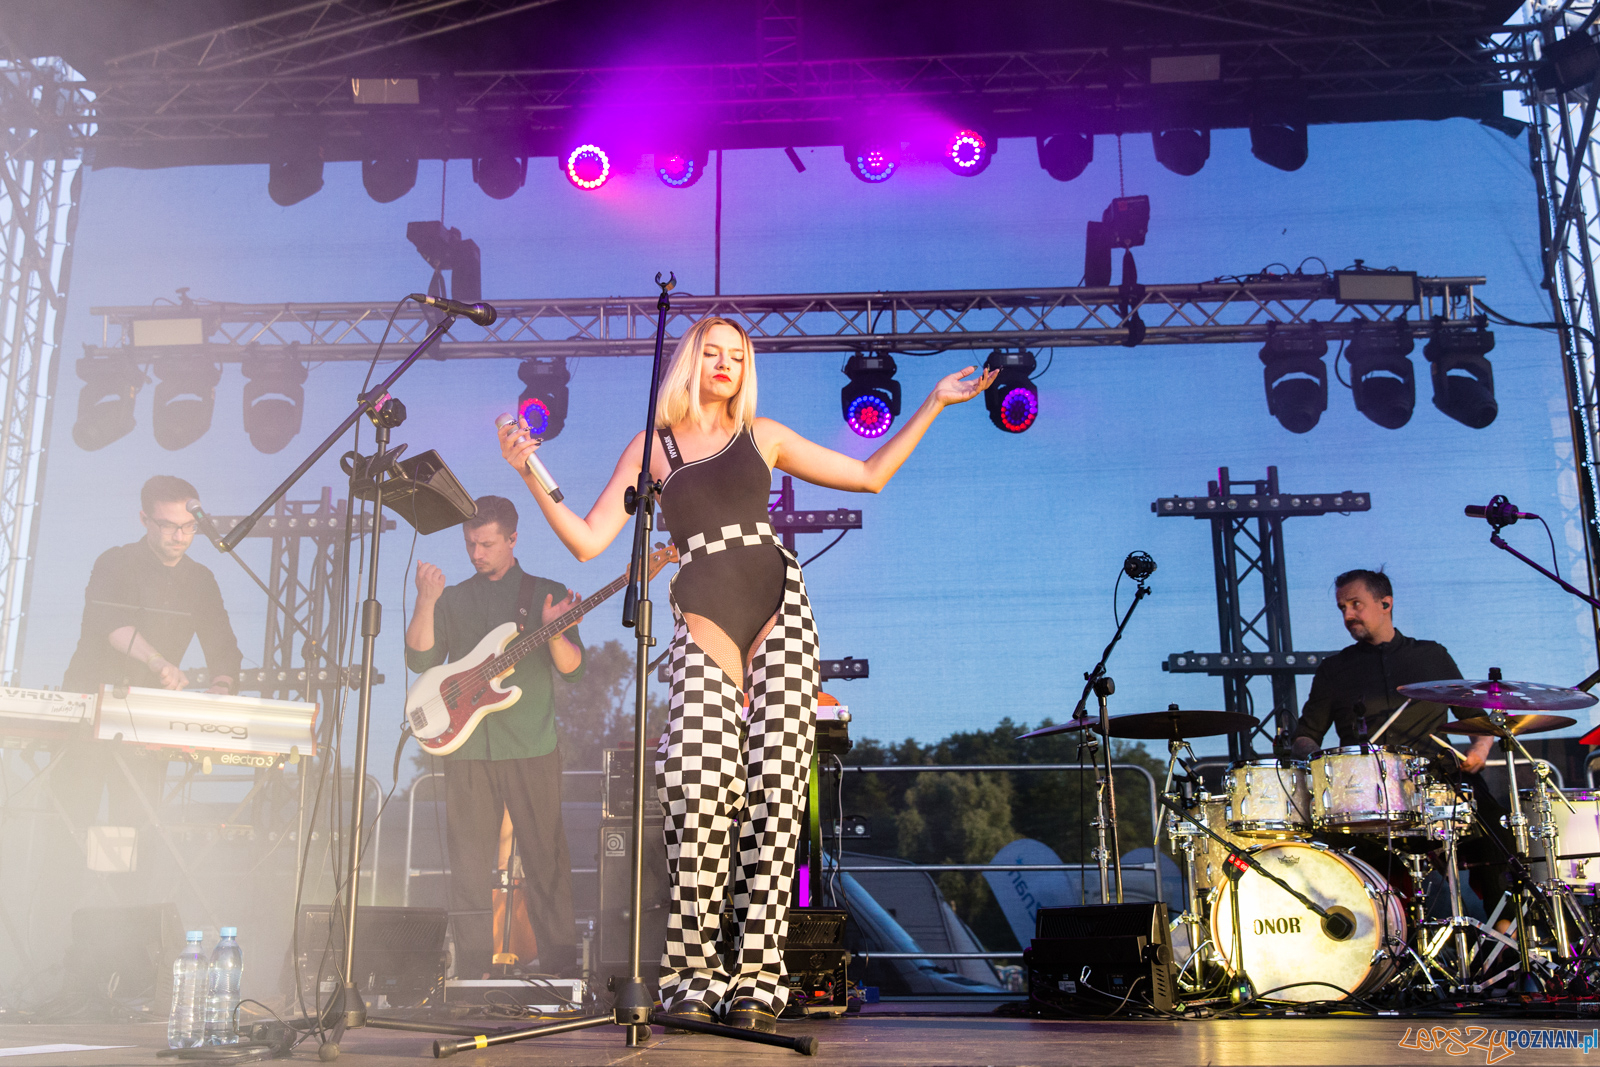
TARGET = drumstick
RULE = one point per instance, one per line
(1446, 744)
(1388, 722)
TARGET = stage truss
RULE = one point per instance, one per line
(1224, 311)
(40, 181)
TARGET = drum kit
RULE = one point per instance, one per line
(1278, 904)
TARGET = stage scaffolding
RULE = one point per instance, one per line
(46, 112)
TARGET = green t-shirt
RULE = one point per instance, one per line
(465, 613)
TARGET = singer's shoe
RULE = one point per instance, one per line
(694, 1010)
(747, 1013)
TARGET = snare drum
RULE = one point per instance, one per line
(1365, 789)
(1283, 942)
(1577, 843)
(1269, 798)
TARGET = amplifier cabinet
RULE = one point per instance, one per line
(615, 877)
(816, 964)
(1090, 960)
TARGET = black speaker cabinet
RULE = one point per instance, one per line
(815, 961)
(400, 952)
(1089, 960)
(615, 862)
(125, 952)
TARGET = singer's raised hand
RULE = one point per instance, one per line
(952, 389)
(516, 445)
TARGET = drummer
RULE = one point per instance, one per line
(1354, 691)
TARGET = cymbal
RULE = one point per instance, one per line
(1500, 696)
(1173, 723)
(1482, 726)
(1157, 725)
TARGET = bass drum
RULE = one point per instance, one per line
(1286, 953)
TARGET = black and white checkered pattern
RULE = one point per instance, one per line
(718, 767)
(739, 535)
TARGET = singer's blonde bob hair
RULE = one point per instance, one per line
(677, 396)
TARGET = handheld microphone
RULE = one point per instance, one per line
(535, 468)
(1499, 512)
(480, 313)
(1138, 566)
(207, 527)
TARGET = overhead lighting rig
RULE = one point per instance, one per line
(1463, 380)
(1296, 378)
(1381, 377)
(543, 405)
(105, 406)
(871, 402)
(1012, 398)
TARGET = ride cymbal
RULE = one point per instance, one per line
(1482, 725)
(1495, 695)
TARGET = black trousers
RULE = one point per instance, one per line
(476, 793)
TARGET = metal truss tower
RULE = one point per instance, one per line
(1246, 517)
(40, 180)
(1563, 104)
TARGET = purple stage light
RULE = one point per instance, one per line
(678, 170)
(873, 161)
(534, 412)
(869, 415)
(966, 152)
(587, 166)
(1018, 409)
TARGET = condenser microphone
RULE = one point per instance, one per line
(1138, 566)
(207, 527)
(1499, 511)
(480, 313)
(535, 468)
(1337, 926)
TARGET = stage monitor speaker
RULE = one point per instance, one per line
(816, 962)
(1089, 960)
(125, 952)
(615, 862)
(400, 952)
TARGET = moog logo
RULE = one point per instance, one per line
(1277, 926)
(240, 732)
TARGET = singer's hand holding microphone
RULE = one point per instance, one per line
(520, 451)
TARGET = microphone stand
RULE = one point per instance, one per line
(1106, 791)
(1499, 542)
(634, 1006)
(348, 1010)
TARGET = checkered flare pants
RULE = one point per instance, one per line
(720, 766)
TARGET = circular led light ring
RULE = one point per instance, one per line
(1027, 399)
(572, 166)
(869, 415)
(966, 139)
(874, 165)
(534, 412)
(687, 175)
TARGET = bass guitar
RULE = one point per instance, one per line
(446, 703)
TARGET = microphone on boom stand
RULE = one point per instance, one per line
(480, 313)
(1499, 511)
(1138, 566)
(207, 527)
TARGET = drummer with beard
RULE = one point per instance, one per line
(1354, 691)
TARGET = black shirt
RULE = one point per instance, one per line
(1370, 674)
(168, 606)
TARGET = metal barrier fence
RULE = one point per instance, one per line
(1154, 866)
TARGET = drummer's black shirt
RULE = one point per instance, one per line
(168, 606)
(1370, 674)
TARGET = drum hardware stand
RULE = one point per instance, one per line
(1138, 566)
(1192, 917)
(633, 1008)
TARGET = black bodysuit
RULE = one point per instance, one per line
(740, 587)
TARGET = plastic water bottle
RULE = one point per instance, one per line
(222, 989)
(186, 1023)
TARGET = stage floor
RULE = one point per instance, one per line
(889, 1037)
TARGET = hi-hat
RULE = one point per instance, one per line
(1158, 725)
(1495, 695)
(1516, 725)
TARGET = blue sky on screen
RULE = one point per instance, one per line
(981, 584)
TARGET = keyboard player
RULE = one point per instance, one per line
(145, 604)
